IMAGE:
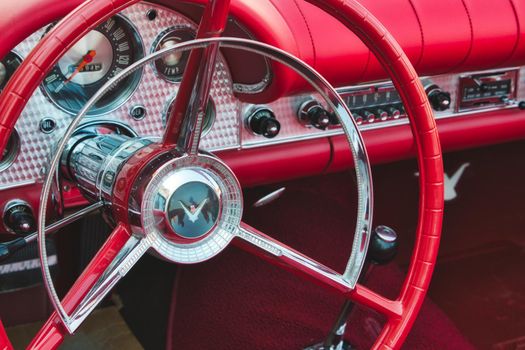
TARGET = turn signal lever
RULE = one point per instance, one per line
(382, 250)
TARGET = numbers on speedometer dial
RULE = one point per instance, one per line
(97, 57)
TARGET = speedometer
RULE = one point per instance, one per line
(90, 63)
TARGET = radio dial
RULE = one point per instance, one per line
(381, 114)
(439, 99)
(263, 122)
(394, 112)
(311, 113)
(369, 116)
(358, 118)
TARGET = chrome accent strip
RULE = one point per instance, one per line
(280, 250)
(17, 184)
(66, 221)
(270, 197)
(253, 88)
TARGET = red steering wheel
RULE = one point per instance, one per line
(400, 313)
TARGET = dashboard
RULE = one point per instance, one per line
(138, 106)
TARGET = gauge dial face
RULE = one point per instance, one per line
(171, 66)
(8, 66)
(90, 63)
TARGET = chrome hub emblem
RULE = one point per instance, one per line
(190, 207)
(193, 209)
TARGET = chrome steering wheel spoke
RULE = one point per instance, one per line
(112, 262)
(288, 258)
(186, 120)
(292, 258)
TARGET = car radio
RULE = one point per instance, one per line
(381, 102)
(485, 90)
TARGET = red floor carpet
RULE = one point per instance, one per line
(236, 301)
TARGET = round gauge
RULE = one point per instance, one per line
(10, 151)
(8, 66)
(90, 63)
(171, 66)
(209, 118)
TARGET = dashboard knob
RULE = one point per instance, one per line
(312, 113)
(262, 122)
(359, 119)
(369, 116)
(381, 114)
(18, 218)
(383, 245)
(439, 99)
(394, 112)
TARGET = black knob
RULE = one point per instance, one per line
(440, 100)
(19, 219)
(319, 117)
(334, 120)
(313, 114)
(263, 122)
(521, 105)
(394, 112)
(383, 245)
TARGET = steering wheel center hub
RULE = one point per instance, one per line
(190, 207)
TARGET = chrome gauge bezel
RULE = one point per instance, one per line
(128, 88)
(13, 150)
(155, 47)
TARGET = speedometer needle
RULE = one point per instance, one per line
(88, 58)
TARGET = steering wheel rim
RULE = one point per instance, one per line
(404, 77)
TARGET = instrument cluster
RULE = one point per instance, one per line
(141, 101)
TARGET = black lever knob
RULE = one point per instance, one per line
(19, 219)
(263, 122)
(311, 113)
(383, 245)
(319, 117)
(439, 99)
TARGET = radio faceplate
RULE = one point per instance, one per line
(485, 90)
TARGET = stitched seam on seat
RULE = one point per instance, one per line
(309, 33)
(518, 27)
(471, 38)
(416, 65)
